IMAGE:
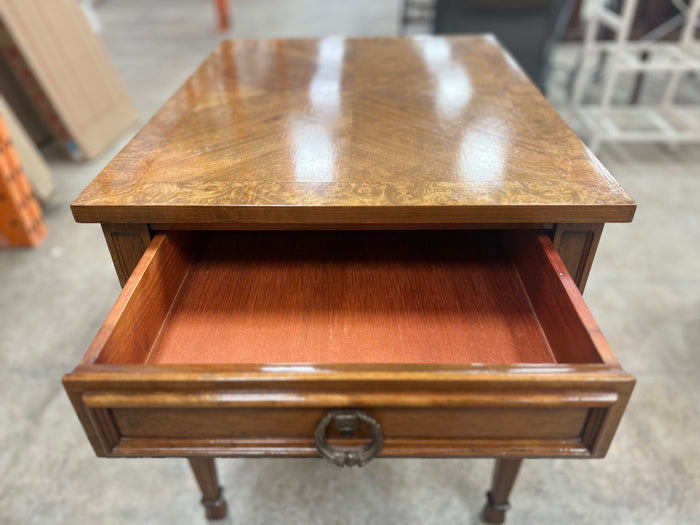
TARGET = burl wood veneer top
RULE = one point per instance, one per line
(351, 131)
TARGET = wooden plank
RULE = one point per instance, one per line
(60, 60)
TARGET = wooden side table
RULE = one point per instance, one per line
(351, 248)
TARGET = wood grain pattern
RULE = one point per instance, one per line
(448, 411)
(127, 243)
(344, 297)
(243, 409)
(416, 399)
(425, 130)
(543, 423)
(522, 391)
(560, 309)
(351, 297)
(136, 318)
(577, 244)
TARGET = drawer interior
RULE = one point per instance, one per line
(412, 297)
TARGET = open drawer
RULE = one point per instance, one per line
(447, 343)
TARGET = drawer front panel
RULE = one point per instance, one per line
(400, 423)
(238, 430)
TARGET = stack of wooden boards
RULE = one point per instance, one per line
(58, 78)
(57, 84)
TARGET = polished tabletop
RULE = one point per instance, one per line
(426, 130)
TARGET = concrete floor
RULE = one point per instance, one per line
(644, 291)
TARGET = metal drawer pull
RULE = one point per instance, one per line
(347, 422)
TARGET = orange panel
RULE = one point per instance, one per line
(21, 218)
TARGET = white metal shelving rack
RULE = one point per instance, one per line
(606, 120)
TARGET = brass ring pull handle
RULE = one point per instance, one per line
(347, 422)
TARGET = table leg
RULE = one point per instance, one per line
(504, 474)
(204, 470)
(222, 10)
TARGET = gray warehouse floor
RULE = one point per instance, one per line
(644, 291)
